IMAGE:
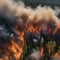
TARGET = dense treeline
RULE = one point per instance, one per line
(35, 3)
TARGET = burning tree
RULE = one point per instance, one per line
(50, 49)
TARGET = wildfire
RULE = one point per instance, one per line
(23, 19)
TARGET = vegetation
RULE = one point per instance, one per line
(59, 50)
(48, 54)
